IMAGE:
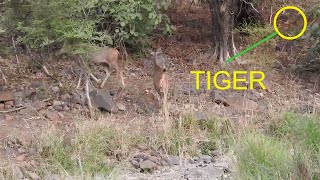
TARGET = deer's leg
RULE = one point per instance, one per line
(108, 73)
(120, 75)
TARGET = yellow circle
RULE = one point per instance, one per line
(304, 22)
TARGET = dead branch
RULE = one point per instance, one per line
(79, 81)
(14, 109)
(15, 50)
(3, 77)
(87, 95)
(94, 78)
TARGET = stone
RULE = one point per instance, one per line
(174, 160)
(35, 84)
(66, 108)
(148, 165)
(216, 153)
(208, 172)
(205, 159)
(9, 117)
(6, 96)
(1, 106)
(7, 106)
(141, 156)
(135, 163)
(219, 98)
(61, 115)
(27, 111)
(51, 115)
(21, 157)
(241, 102)
(57, 103)
(154, 159)
(65, 97)
(58, 108)
(77, 98)
(121, 107)
(18, 98)
(22, 150)
(200, 116)
(39, 105)
(102, 100)
(11, 103)
(55, 89)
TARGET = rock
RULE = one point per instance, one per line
(216, 153)
(58, 108)
(77, 106)
(57, 103)
(174, 160)
(7, 106)
(77, 99)
(18, 98)
(102, 100)
(39, 105)
(154, 159)
(65, 97)
(141, 156)
(135, 163)
(148, 165)
(191, 161)
(6, 96)
(33, 175)
(61, 115)
(219, 98)
(21, 157)
(200, 116)
(11, 103)
(9, 117)
(121, 107)
(66, 108)
(27, 111)
(51, 115)
(21, 150)
(1, 106)
(35, 84)
(29, 93)
(241, 102)
(206, 159)
(208, 172)
(55, 89)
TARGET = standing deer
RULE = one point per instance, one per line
(160, 79)
(108, 57)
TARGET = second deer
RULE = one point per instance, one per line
(160, 78)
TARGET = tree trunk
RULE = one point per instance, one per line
(223, 15)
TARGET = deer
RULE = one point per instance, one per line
(160, 78)
(108, 57)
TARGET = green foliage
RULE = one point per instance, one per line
(82, 24)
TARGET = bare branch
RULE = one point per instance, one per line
(15, 50)
(87, 95)
(3, 77)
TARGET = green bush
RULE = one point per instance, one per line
(81, 24)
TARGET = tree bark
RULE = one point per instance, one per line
(223, 15)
